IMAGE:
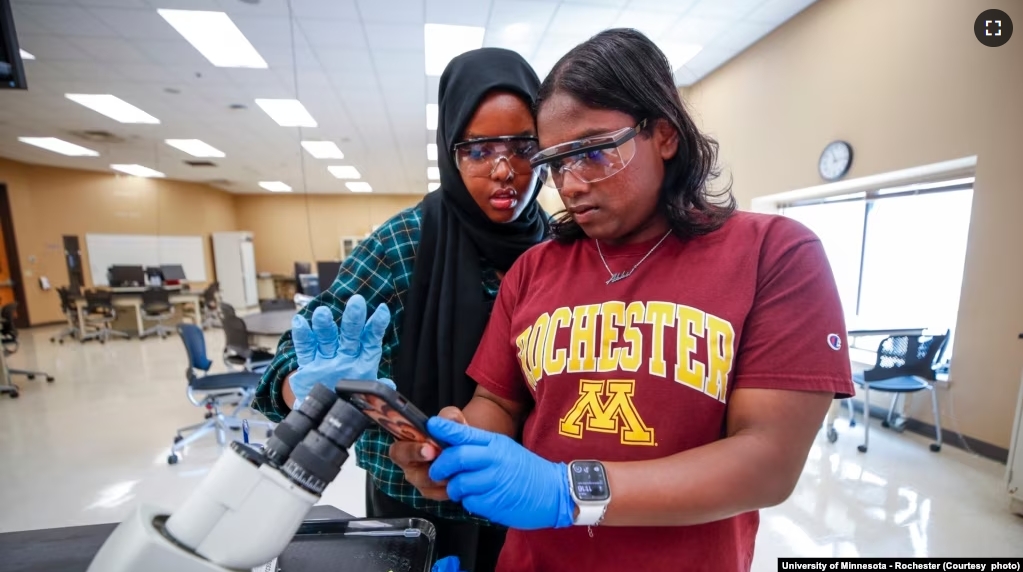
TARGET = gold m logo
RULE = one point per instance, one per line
(607, 407)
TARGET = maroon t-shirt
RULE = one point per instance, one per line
(643, 368)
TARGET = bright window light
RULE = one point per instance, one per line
(323, 149)
(432, 187)
(25, 55)
(431, 115)
(680, 54)
(433, 173)
(345, 172)
(195, 147)
(275, 186)
(138, 171)
(216, 37)
(113, 107)
(59, 146)
(287, 112)
(444, 42)
(359, 187)
(431, 151)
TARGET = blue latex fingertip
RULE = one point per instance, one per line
(388, 383)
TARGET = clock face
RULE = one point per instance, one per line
(835, 161)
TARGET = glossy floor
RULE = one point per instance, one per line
(88, 447)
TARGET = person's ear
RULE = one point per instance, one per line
(665, 139)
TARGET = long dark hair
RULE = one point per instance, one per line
(622, 70)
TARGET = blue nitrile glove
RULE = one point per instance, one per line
(496, 478)
(449, 564)
(327, 354)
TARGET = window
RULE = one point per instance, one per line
(897, 254)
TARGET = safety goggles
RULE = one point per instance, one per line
(590, 160)
(480, 157)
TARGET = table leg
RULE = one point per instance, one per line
(198, 312)
(81, 320)
(138, 318)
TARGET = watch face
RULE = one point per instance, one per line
(589, 481)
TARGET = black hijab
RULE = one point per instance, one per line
(445, 313)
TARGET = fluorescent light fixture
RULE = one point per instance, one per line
(275, 186)
(431, 115)
(216, 37)
(433, 173)
(345, 172)
(59, 146)
(432, 187)
(287, 112)
(195, 147)
(113, 107)
(444, 42)
(359, 187)
(680, 54)
(323, 149)
(431, 151)
(138, 171)
(25, 55)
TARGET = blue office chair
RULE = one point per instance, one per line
(216, 390)
(905, 364)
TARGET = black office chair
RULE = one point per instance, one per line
(156, 307)
(68, 305)
(276, 304)
(211, 306)
(905, 364)
(238, 352)
(99, 315)
(217, 390)
(9, 341)
(227, 311)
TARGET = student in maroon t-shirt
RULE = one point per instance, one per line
(691, 349)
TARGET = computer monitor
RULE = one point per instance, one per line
(126, 276)
(327, 271)
(310, 284)
(173, 273)
(300, 269)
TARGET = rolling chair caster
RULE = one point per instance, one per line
(886, 424)
(862, 448)
(832, 435)
(13, 394)
(31, 376)
(50, 379)
(935, 447)
(172, 459)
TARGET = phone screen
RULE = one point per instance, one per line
(389, 418)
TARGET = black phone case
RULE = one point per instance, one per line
(348, 389)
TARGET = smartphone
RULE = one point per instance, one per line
(389, 409)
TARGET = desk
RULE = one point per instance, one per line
(140, 289)
(71, 549)
(130, 300)
(273, 323)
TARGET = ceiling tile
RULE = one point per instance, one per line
(393, 11)
(53, 48)
(330, 9)
(113, 3)
(111, 50)
(578, 19)
(383, 37)
(67, 20)
(610, 3)
(136, 24)
(676, 6)
(334, 33)
(652, 24)
(741, 35)
(176, 52)
(458, 12)
(405, 63)
(731, 9)
(700, 31)
(344, 60)
(778, 11)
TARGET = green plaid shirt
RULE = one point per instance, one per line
(380, 269)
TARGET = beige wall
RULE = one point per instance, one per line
(907, 84)
(48, 203)
(282, 224)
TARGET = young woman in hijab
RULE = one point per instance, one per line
(438, 266)
(668, 360)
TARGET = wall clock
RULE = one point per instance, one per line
(835, 161)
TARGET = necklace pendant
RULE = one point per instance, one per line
(618, 276)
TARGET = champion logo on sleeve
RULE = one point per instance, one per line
(834, 342)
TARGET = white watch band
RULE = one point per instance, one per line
(589, 514)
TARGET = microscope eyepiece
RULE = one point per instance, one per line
(290, 432)
(315, 461)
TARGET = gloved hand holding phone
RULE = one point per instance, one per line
(327, 354)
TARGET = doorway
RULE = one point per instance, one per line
(11, 287)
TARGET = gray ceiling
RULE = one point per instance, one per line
(359, 66)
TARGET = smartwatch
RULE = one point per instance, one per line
(588, 482)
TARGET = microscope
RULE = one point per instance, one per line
(247, 510)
